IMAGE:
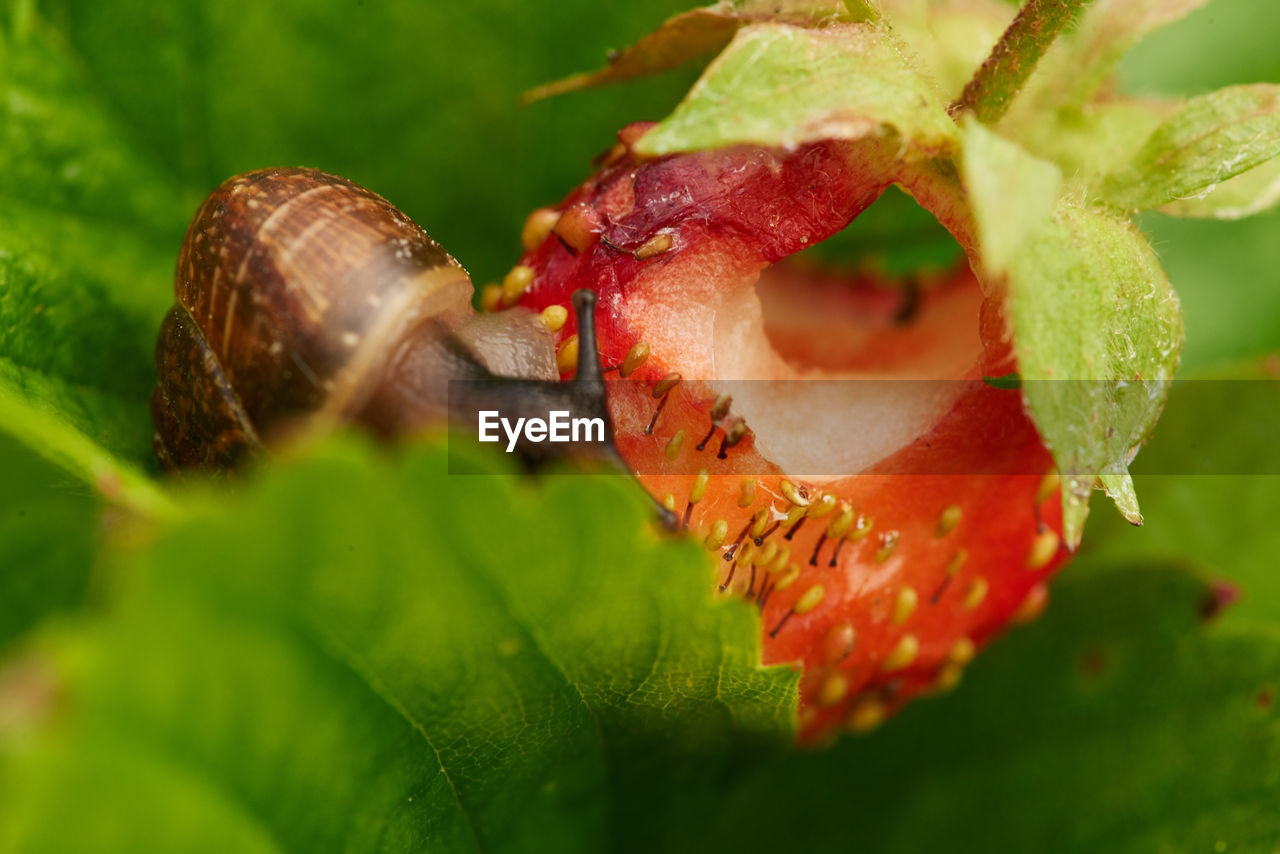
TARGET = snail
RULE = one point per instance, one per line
(304, 300)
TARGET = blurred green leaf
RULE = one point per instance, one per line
(1225, 273)
(1209, 140)
(1096, 330)
(949, 39)
(692, 34)
(418, 101)
(48, 527)
(1091, 141)
(86, 223)
(1122, 722)
(1080, 62)
(1209, 486)
(374, 656)
(783, 85)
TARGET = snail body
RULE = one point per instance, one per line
(303, 298)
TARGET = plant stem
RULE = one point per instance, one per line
(1014, 57)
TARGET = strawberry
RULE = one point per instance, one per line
(940, 525)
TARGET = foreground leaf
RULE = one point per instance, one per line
(1211, 139)
(1122, 722)
(361, 657)
(47, 536)
(782, 86)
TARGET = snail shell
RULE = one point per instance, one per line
(302, 298)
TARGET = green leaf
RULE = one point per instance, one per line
(1209, 487)
(1012, 194)
(1245, 195)
(86, 223)
(47, 536)
(695, 33)
(1096, 331)
(1122, 722)
(1089, 142)
(361, 654)
(782, 85)
(1210, 140)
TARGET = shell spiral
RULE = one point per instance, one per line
(296, 293)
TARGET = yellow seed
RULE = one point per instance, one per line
(491, 297)
(1032, 606)
(862, 527)
(948, 677)
(699, 489)
(976, 593)
(792, 493)
(759, 521)
(962, 651)
(669, 502)
(888, 545)
(673, 447)
(746, 553)
(905, 605)
(902, 654)
(655, 245)
(957, 561)
(794, 515)
(554, 316)
(719, 533)
(948, 519)
(838, 643)
(516, 283)
(833, 690)
(787, 578)
(867, 714)
(665, 385)
(767, 554)
(842, 522)
(1048, 486)
(735, 433)
(614, 154)
(747, 492)
(1043, 549)
(720, 408)
(567, 355)
(634, 359)
(537, 228)
(822, 506)
(809, 599)
(781, 561)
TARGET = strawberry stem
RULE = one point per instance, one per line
(1014, 57)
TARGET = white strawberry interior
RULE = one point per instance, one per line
(716, 318)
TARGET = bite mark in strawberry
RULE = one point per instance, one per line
(886, 529)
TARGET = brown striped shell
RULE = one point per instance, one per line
(303, 296)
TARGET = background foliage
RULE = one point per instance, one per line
(262, 667)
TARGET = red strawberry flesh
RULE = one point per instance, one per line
(885, 529)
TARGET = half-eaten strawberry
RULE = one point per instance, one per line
(830, 440)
